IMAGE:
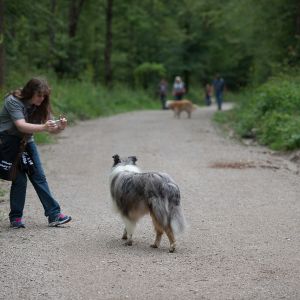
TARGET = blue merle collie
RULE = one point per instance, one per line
(135, 194)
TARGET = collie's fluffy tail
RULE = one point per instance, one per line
(169, 215)
(177, 220)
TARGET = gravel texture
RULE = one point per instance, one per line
(241, 204)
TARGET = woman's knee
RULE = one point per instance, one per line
(39, 178)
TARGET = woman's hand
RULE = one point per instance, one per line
(54, 127)
(50, 126)
(63, 123)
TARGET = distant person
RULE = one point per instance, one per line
(178, 88)
(219, 85)
(25, 112)
(208, 94)
(163, 91)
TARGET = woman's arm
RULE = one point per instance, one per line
(25, 127)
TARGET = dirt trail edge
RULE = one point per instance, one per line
(241, 204)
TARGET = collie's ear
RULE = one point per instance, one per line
(116, 158)
(133, 159)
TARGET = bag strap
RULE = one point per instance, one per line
(14, 167)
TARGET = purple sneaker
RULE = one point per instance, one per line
(59, 219)
(17, 223)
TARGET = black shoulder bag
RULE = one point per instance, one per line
(11, 149)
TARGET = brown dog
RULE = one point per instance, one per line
(181, 105)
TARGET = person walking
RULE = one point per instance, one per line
(163, 91)
(208, 94)
(25, 112)
(178, 88)
(219, 85)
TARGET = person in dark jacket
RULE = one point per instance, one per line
(163, 91)
(219, 85)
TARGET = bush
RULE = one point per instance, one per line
(271, 113)
(147, 75)
(280, 131)
(83, 100)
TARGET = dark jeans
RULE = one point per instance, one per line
(163, 98)
(208, 100)
(179, 97)
(219, 99)
(39, 182)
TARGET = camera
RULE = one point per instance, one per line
(57, 122)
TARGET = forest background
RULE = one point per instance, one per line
(107, 56)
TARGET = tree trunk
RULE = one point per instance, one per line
(186, 78)
(51, 30)
(298, 20)
(74, 13)
(1, 44)
(108, 44)
(186, 55)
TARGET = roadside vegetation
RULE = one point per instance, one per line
(270, 113)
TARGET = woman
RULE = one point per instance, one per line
(25, 112)
(208, 94)
(163, 90)
(178, 88)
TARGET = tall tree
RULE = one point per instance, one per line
(108, 44)
(51, 29)
(1, 43)
(74, 13)
(298, 19)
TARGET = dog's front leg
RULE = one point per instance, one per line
(129, 237)
(129, 229)
(124, 236)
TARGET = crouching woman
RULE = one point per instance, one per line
(25, 112)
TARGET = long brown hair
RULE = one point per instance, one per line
(36, 85)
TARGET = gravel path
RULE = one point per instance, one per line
(241, 204)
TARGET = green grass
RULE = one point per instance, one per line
(43, 138)
(83, 100)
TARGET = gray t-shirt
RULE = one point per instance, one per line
(13, 109)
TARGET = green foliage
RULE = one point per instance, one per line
(280, 131)
(43, 138)
(246, 41)
(196, 95)
(271, 113)
(147, 74)
(84, 100)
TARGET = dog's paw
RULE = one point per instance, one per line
(128, 243)
(172, 250)
(124, 237)
(153, 246)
